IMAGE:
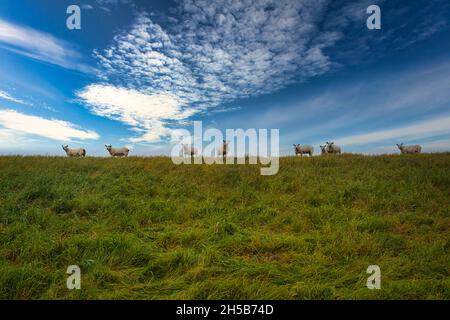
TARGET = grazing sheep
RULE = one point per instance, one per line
(74, 152)
(409, 149)
(223, 149)
(189, 151)
(117, 152)
(324, 149)
(305, 149)
(332, 148)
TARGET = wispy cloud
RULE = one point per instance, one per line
(113, 2)
(428, 128)
(10, 138)
(357, 106)
(18, 124)
(40, 46)
(87, 6)
(402, 27)
(5, 95)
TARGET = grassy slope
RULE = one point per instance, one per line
(147, 229)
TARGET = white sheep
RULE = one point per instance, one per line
(117, 152)
(189, 150)
(332, 148)
(223, 149)
(409, 149)
(74, 152)
(305, 149)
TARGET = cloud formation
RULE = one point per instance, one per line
(218, 52)
(5, 95)
(209, 53)
(39, 46)
(19, 124)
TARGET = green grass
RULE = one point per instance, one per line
(144, 228)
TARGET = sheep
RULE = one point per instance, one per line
(189, 150)
(305, 149)
(332, 148)
(74, 152)
(409, 149)
(324, 149)
(223, 149)
(117, 152)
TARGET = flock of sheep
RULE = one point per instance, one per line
(81, 152)
(328, 148)
(331, 148)
(188, 150)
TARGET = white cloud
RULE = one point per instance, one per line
(215, 52)
(428, 128)
(87, 7)
(130, 105)
(5, 95)
(20, 125)
(221, 51)
(40, 46)
(146, 113)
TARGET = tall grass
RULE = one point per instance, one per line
(144, 228)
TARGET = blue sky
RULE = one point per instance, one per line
(137, 70)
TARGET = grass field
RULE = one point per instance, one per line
(144, 228)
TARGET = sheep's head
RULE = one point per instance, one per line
(65, 148)
(400, 146)
(108, 146)
(330, 146)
